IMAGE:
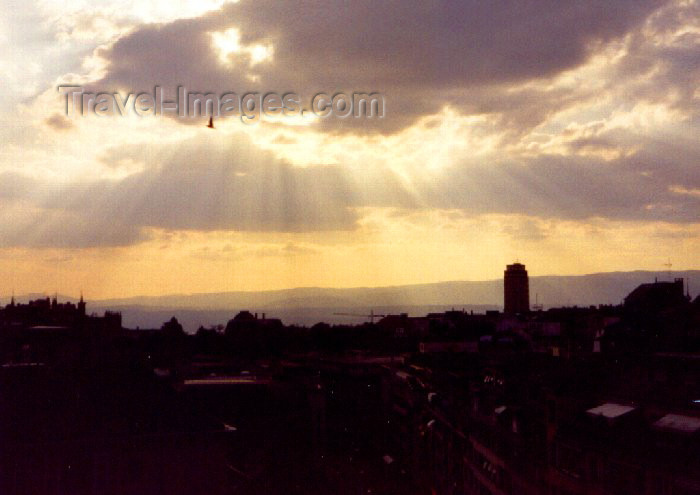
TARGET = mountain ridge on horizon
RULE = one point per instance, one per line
(640, 274)
(688, 275)
(308, 305)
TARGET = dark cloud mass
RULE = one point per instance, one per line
(421, 55)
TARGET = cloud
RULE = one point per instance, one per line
(421, 55)
(662, 63)
(55, 228)
(59, 122)
(525, 229)
(575, 111)
(205, 185)
(223, 182)
(288, 249)
(575, 188)
(14, 186)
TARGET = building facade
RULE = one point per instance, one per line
(516, 289)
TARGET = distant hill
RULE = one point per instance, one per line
(308, 305)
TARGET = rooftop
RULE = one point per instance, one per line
(610, 410)
(680, 423)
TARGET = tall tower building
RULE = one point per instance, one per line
(81, 305)
(516, 289)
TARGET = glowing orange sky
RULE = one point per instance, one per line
(574, 155)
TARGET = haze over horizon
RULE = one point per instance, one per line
(561, 134)
(307, 306)
(661, 275)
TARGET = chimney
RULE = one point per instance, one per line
(263, 316)
(256, 316)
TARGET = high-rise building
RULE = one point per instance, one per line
(516, 289)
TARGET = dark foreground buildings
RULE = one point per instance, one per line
(595, 400)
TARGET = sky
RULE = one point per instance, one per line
(561, 134)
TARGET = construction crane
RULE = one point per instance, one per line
(372, 315)
(537, 306)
